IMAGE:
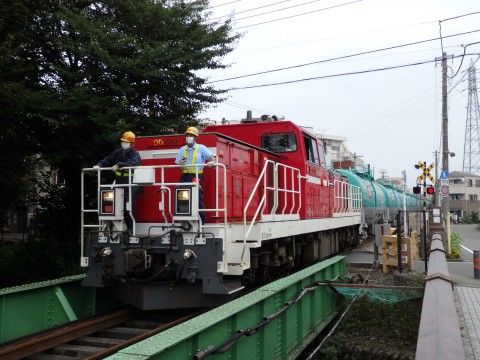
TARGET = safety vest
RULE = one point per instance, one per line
(124, 173)
(191, 169)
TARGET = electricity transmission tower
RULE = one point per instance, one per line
(471, 150)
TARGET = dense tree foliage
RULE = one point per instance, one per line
(76, 74)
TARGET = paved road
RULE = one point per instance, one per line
(461, 272)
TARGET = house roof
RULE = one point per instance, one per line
(462, 174)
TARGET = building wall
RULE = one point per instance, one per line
(338, 153)
(464, 194)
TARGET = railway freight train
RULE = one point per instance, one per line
(270, 207)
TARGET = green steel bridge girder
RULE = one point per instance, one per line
(284, 337)
(30, 308)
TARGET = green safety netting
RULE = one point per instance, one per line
(387, 294)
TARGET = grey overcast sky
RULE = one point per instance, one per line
(332, 53)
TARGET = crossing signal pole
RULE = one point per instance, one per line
(423, 177)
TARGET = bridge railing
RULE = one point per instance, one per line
(439, 333)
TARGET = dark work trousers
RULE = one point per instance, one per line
(126, 214)
(190, 178)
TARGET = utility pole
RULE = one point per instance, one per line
(437, 195)
(355, 156)
(405, 230)
(445, 152)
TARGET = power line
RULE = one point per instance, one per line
(264, 48)
(448, 19)
(246, 107)
(277, 10)
(344, 74)
(464, 50)
(451, 88)
(460, 16)
(253, 9)
(297, 15)
(340, 57)
(228, 3)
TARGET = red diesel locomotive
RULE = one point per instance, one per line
(270, 206)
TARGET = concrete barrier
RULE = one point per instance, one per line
(439, 335)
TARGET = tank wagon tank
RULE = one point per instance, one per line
(380, 202)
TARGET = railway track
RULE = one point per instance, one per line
(93, 338)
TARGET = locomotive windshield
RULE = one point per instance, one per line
(279, 142)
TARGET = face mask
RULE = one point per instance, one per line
(125, 145)
(190, 140)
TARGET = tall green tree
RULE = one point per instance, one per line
(75, 74)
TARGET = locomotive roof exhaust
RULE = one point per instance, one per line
(265, 117)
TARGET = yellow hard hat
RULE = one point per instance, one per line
(128, 137)
(192, 131)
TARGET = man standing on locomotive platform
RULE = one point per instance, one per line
(118, 159)
(194, 153)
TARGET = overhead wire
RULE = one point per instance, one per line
(417, 111)
(246, 107)
(307, 64)
(277, 10)
(264, 48)
(398, 111)
(253, 9)
(342, 74)
(297, 15)
(440, 31)
(451, 88)
(228, 3)
(342, 57)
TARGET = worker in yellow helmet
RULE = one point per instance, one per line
(194, 154)
(122, 157)
(125, 156)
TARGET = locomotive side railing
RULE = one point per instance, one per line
(290, 189)
(347, 198)
(289, 193)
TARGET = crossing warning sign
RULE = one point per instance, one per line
(426, 172)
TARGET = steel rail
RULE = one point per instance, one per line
(63, 333)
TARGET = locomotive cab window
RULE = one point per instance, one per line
(279, 142)
(321, 153)
(311, 150)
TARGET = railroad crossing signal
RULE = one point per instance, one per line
(426, 172)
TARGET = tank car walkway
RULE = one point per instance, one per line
(467, 301)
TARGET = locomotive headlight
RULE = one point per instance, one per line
(183, 195)
(186, 203)
(183, 205)
(107, 204)
(108, 195)
(111, 204)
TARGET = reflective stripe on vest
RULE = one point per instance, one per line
(122, 173)
(191, 169)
